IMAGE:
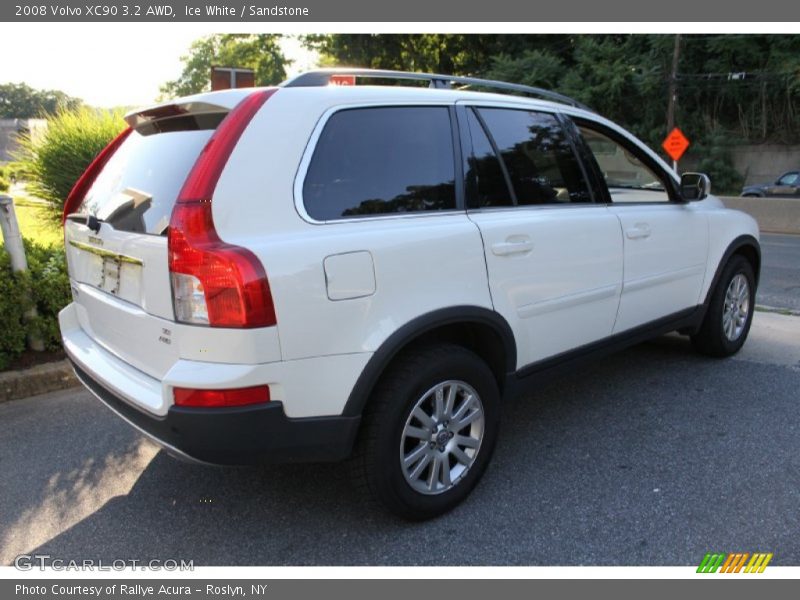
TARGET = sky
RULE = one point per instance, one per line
(108, 65)
(123, 64)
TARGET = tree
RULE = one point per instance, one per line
(260, 52)
(731, 89)
(20, 101)
(740, 87)
(454, 54)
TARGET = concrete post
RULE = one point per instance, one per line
(13, 243)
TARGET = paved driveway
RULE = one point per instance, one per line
(780, 273)
(653, 456)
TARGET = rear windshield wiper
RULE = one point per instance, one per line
(90, 221)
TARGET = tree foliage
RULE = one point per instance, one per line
(439, 53)
(623, 76)
(260, 52)
(20, 101)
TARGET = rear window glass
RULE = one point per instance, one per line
(140, 183)
(384, 160)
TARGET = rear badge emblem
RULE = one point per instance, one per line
(165, 337)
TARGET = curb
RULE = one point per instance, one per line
(789, 312)
(774, 215)
(40, 379)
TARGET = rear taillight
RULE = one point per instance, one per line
(85, 181)
(215, 283)
(218, 398)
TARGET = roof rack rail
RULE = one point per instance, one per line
(321, 77)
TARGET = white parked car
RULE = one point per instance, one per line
(314, 272)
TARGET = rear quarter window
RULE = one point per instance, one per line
(385, 160)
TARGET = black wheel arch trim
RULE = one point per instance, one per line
(415, 329)
(737, 244)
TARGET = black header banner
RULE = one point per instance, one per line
(466, 11)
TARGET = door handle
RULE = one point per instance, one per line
(513, 245)
(638, 231)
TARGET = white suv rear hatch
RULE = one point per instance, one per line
(116, 241)
(120, 272)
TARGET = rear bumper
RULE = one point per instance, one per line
(314, 430)
(238, 435)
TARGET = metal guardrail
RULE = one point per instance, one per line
(774, 215)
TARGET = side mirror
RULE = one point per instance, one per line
(695, 186)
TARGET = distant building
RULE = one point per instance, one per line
(11, 128)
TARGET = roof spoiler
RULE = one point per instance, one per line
(139, 119)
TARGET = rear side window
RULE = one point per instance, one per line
(385, 160)
(486, 180)
(537, 155)
(137, 189)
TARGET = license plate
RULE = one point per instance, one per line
(105, 269)
(109, 274)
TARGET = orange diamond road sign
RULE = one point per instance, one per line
(675, 144)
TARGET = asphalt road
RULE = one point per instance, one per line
(653, 456)
(780, 271)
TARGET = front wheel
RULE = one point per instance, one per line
(430, 430)
(730, 311)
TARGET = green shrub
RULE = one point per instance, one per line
(12, 306)
(15, 171)
(4, 183)
(717, 163)
(48, 283)
(54, 160)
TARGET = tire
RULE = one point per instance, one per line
(718, 335)
(390, 431)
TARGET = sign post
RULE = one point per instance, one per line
(675, 144)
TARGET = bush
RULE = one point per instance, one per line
(54, 160)
(15, 171)
(4, 183)
(48, 283)
(717, 163)
(12, 306)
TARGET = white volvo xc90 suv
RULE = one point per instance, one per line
(313, 272)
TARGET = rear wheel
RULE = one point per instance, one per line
(730, 311)
(429, 431)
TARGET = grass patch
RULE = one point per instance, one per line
(36, 223)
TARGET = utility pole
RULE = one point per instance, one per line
(673, 91)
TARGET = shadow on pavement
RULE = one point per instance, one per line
(652, 456)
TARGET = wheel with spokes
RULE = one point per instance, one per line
(429, 431)
(730, 311)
